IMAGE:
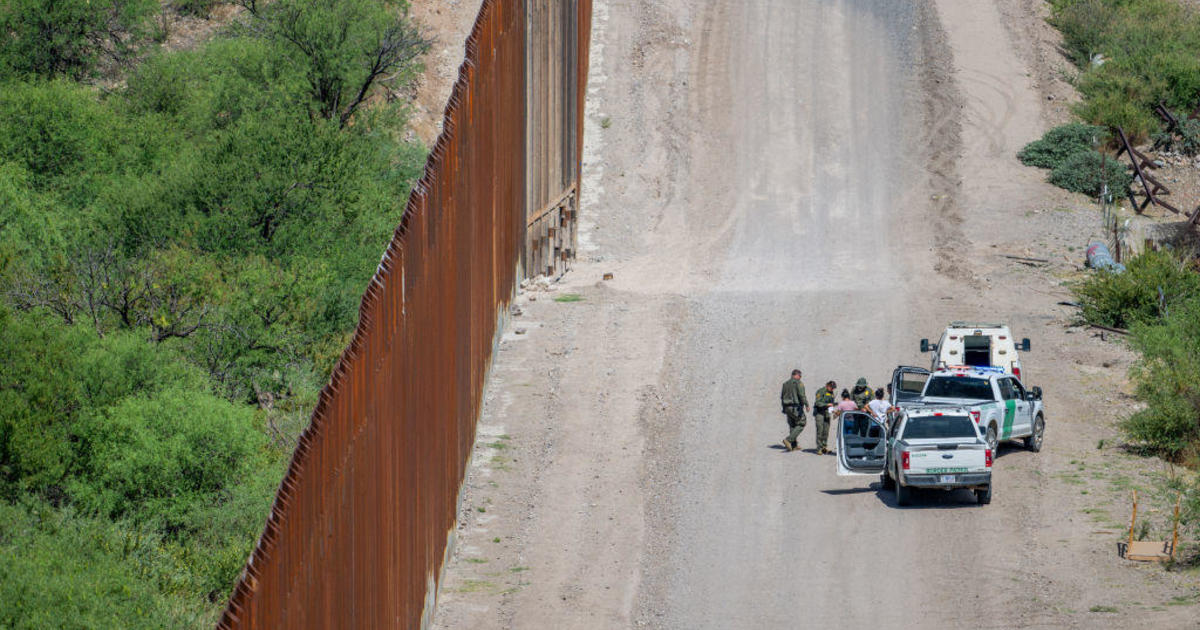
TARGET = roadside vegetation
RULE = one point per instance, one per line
(1157, 299)
(1072, 154)
(1133, 55)
(184, 239)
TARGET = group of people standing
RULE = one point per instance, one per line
(826, 406)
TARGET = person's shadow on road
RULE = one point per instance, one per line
(779, 447)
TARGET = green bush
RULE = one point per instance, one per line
(1088, 172)
(1165, 378)
(343, 47)
(56, 129)
(1147, 48)
(150, 456)
(1114, 98)
(1125, 299)
(38, 401)
(31, 231)
(125, 439)
(181, 263)
(52, 38)
(64, 570)
(1185, 139)
(1061, 142)
(1083, 24)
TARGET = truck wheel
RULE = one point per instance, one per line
(993, 440)
(886, 481)
(1034, 441)
(984, 497)
(903, 494)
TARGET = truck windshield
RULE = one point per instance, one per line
(927, 427)
(959, 387)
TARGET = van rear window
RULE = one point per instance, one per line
(933, 427)
(959, 387)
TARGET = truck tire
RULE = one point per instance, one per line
(903, 494)
(993, 439)
(1034, 441)
(984, 497)
(886, 480)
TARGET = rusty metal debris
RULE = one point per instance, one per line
(358, 531)
(1152, 190)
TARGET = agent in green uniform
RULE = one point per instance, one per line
(822, 401)
(861, 395)
(794, 404)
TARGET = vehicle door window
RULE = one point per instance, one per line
(1006, 389)
(1018, 389)
(858, 424)
(862, 447)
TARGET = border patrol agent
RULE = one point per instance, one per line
(822, 401)
(794, 404)
(861, 394)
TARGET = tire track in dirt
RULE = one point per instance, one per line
(943, 129)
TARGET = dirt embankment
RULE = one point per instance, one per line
(447, 23)
(806, 183)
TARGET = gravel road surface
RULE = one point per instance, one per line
(779, 184)
(819, 262)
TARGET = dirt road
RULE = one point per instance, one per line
(774, 184)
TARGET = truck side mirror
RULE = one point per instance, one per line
(1025, 345)
(1036, 392)
(924, 345)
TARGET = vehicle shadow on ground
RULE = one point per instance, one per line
(1009, 448)
(779, 447)
(922, 499)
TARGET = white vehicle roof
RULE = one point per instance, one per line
(975, 325)
(936, 410)
(991, 373)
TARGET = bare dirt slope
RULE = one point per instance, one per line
(447, 23)
(812, 183)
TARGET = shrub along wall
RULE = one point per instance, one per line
(181, 262)
(1132, 54)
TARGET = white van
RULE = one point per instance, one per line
(976, 345)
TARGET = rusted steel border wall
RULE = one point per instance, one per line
(360, 525)
(557, 71)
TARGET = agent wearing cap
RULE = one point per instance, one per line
(862, 394)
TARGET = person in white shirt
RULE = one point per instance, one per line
(879, 407)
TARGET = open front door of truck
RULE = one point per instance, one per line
(861, 444)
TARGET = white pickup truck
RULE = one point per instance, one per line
(996, 400)
(925, 447)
